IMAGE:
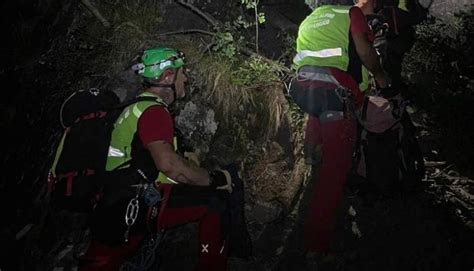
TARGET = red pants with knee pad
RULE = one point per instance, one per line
(212, 247)
(337, 142)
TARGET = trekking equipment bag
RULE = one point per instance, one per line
(387, 152)
(240, 242)
(78, 173)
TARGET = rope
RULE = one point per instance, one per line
(145, 257)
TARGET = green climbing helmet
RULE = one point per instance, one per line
(154, 62)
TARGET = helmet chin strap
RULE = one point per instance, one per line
(171, 86)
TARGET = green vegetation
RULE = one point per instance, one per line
(247, 94)
(225, 46)
(444, 50)
(259, 17)
(227, 74)
(255, 71)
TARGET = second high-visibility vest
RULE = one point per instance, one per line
(125, 127)
(323, 38)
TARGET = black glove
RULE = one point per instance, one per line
(220, 180)
(389, 92)
(378, 24)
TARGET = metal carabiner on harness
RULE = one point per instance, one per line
(342, 93)
(133, 207)
(131, 214)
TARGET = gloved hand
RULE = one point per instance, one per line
(377, 24)
(221, 180)
(389, 92)
(382, 80)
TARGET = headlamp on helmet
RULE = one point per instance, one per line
(154, 62)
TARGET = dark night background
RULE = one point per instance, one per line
(50, 48)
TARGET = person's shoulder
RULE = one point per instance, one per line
(355, 10)
(356, 15)
(153, 116)
(157, 110)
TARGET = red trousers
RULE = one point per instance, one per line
(212, 249)
(337, 142)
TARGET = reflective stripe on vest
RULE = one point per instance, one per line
(114, 152)
(321, 53)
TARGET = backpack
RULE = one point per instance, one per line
(400, 33)
(77, 175)
(387, 151)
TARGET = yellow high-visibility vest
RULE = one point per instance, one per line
(403, 5)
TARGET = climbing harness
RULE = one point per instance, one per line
(145, 258)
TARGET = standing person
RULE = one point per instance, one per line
(398, 162)
(141, 148)
(333, 44)
(402, 17)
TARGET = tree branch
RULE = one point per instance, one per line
(187, 31)
(201, 13)
(96, 12)
(215, 23)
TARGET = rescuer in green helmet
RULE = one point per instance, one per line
(143, 146)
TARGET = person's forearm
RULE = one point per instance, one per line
(183, 171)
(176, 167)
(370, 59)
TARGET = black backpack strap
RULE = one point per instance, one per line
(364, 108)
(123, 165)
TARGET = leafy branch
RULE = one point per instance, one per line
(259, 17)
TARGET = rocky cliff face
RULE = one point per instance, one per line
(447, 8)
